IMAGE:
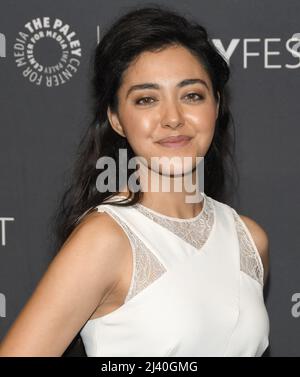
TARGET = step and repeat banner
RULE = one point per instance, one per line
(46, 52)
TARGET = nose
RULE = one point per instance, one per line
(172, 116)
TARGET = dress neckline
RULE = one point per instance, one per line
(172, 218)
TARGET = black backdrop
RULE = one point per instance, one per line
(43, 115)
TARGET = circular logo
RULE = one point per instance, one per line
(47, 51)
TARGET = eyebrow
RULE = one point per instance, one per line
(150, 85)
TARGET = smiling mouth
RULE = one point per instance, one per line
(176, 143)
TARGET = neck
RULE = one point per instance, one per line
(172, 195)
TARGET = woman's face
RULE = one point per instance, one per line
(157, 99)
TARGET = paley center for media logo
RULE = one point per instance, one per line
(47, 51)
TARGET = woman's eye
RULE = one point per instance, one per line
(140, 101)
(194, 97)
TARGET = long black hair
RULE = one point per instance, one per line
(145, 28)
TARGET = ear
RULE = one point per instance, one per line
(115, 122)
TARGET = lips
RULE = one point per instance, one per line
(174, 139)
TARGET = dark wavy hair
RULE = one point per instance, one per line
(146, 28)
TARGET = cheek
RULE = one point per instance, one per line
(138, 127)
(203, 122)
(202, 119)
(138, 130)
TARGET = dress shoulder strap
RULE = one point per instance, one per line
(250, 259)
(146, 266)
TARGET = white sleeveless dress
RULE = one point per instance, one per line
(196, 288)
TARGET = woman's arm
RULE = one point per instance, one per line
(80, 275)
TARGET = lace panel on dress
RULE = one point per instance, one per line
(146, 266)
(195, 231)
(250, 261)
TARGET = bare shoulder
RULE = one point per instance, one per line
(98, 238)
(98, 227)
(85, 268)
(99, 242)
(261, 240)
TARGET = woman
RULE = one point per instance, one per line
(147, 272)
